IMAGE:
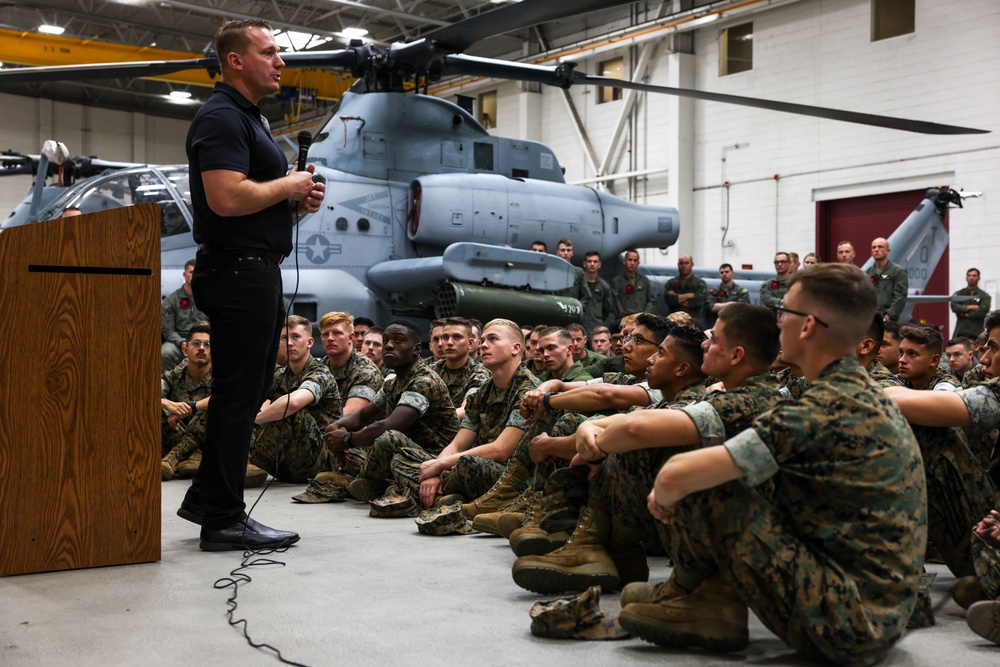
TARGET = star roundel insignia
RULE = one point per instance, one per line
(317, 249)
(774, 284)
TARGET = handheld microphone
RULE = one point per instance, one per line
(305, 141)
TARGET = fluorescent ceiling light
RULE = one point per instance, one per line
(180, 94)
(289, 40)
(353, 32)
(51, 29)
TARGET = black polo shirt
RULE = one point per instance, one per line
(229, 133)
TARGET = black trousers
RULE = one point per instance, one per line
(241, 294)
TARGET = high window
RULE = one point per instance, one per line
(736, 49)
(488, 110)
(892, 18)
(612, 69)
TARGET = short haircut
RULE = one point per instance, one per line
(577, 327)
(592, 253)
(512, 329)
(233, 36)
(680, 318)
(891, 327)
(876, 331)
(960, 340)
(992, 319)
(929, 337)
(628, 250)
(564, 242)
(298, 321)
(458, 322)
(846, 243)
(201, 327)
(597, 331)
(754, 328)
(364, 322)
(562, 334)
(726, 265)
(539, 327)
(686, 342)
(794, 257)
(412, 332)
(541, 243)
(660, 327)
(436, 323)
(843, 292)
(812, 254)
(476, 324)
(188, 263)
(786, 254)
(334, 318)
(974, 269)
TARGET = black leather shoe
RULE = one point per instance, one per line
(241, 536)
(273, 533)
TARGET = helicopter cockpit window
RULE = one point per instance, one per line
(736, 49)
(612, 69)
(139, 187)
(483, 156)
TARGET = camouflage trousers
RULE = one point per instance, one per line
(378, 459)
(171, 437)
(987, 561)
(291, 449)
(184, 439)
(623, 485)
(354, 460)
(470, 477)
(556, 424)
(959, 494)
(812, 604)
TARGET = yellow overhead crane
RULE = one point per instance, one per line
(32, 48)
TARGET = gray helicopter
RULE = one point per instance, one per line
(426, 213)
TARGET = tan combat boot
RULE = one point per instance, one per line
(576, 566)
(189, 466)
(169, 463)
(510, 485)
(713, 617)
(338, 478)
(512, 521)
(255, 477)
(640, 591)
(489, 522)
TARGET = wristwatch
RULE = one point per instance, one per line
(347, 438)
(193, 405)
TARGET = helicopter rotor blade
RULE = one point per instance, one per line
(129, 70)
(564, 76)
(460, 36)
(348, 59)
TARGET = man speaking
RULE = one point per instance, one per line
(243, 202)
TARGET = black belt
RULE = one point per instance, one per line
(240, 253)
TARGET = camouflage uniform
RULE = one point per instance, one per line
(696, 305)
(970, 322)
(576, 373)
(607, 365)
(597, 303)
(981, 439)
(891, 284)
(626, 478)
(773, 291)
(424, 391)
(358, 378)
(983, 402)
(976, 375)
(177, 385)
(292, 448)
(462, 381)
(632, 294)
(829, 556)
(722, 294)
(882, 376)
(791, 385)
(987, 561)
(941, 379)
(488, 412)
(177, 315)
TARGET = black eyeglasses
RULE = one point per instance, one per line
(635, 340)
(780, 310)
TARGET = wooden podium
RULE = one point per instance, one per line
(79, 399)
